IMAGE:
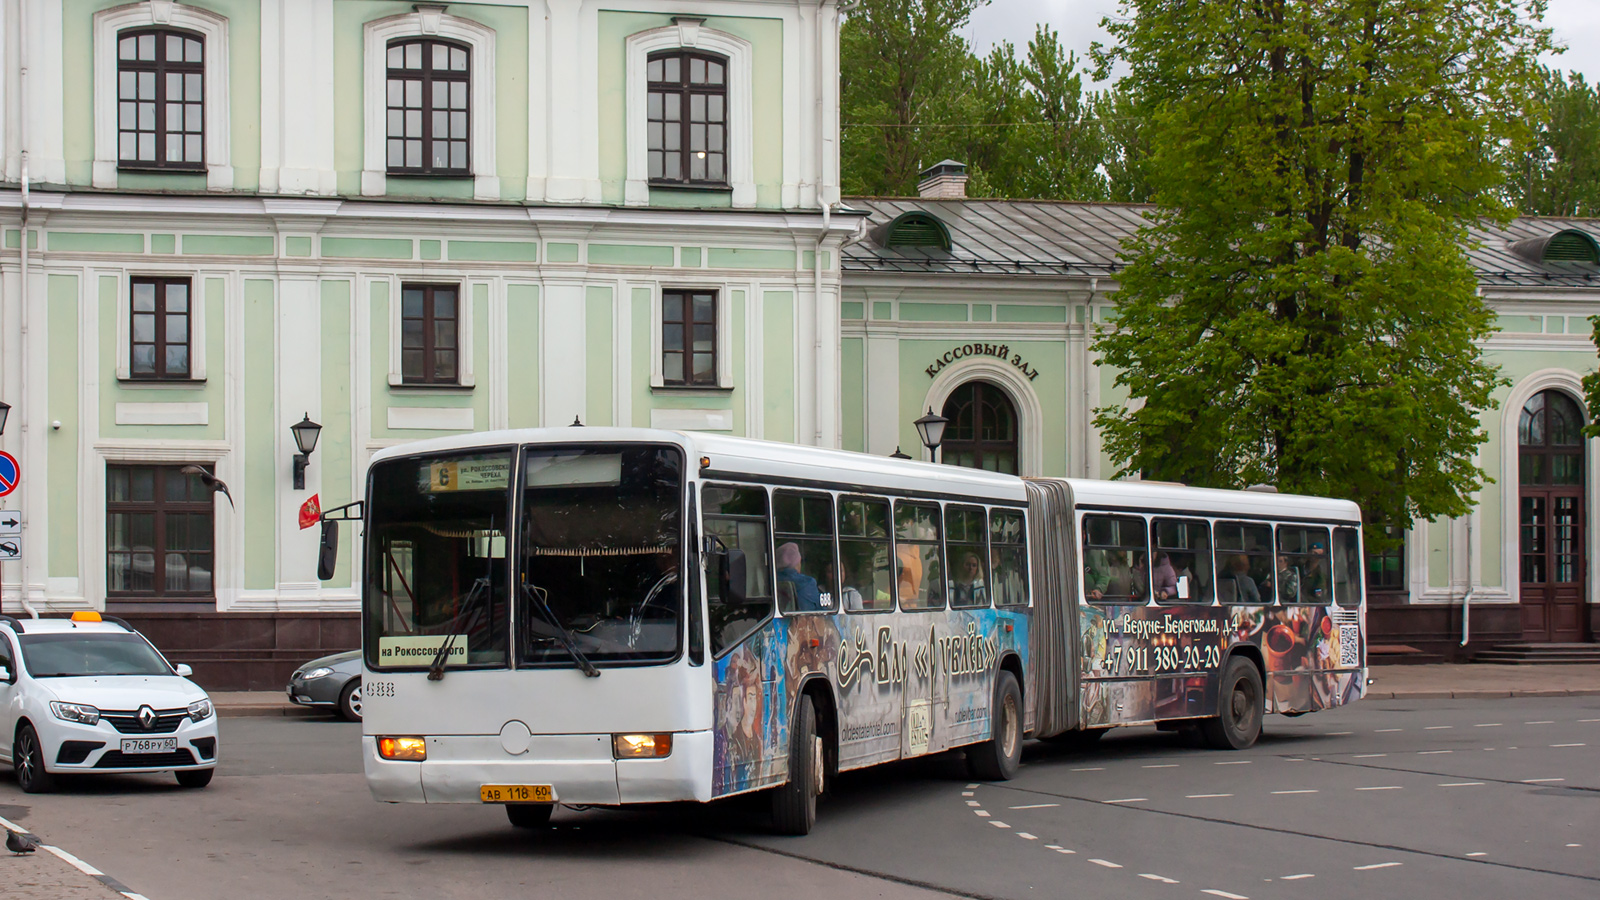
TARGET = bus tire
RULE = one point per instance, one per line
(529, 815)
(794, 805)
(1241, 704)
(997, 759)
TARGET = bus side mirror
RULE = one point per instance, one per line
(328, 557)
(731, 575)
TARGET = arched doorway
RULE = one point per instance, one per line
(982, 433)
(1550, 518)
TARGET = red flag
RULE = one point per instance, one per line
(310, 512)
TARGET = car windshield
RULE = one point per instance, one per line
(67, 655)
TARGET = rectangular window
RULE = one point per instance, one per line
(736, 520)
(1386, 568)
(161, 100)
(917, 551)
(807, 576)
(686, 118)
(1303, 562)
(429, 333)
(1116, 563)
(1008, 551)
(427, 108)
(158, 534)
(1244, 563)
(161, 320)
(689, 338)
(1346, 567)
(1182, 572)
(864, 551)
(967, 533)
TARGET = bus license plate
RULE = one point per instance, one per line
(150, 745)
(517, 793)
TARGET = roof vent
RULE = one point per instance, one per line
(944, 180)
(1566, 246)
(914, 229)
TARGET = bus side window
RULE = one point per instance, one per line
(967, 536)
(1116, 563)
(1303, 562)
(1008, 551)
(736, 519)
(1244, 563)
(864, 553)
(1182, 571)
(920, 580)
(807, 576)
(1346, 567)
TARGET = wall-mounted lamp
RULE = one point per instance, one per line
(5, 410)
(931, 429)
(305, 437)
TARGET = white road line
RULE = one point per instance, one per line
(1368, 755)
(1062, 850)
(1235, 762)
(1224, 895)
(1161, 878)
(1381, 787)
(1540, 780)
(1162, 766)
(971, 786)
(1589, 720)
(1479, 853)
(966, 793)
(1569, 745)
(1127, 800)
(982, 812)
(1302, 791)
(1105, 862)
(973, 803)
(1336, 733)
(1432, 752)
(1035, 806)
(1387, 730)
(1438, 727)
(1026, 836)
(1541, 722)
(1488, 725)
(1091, 769)
(1204, 796)
(1574, 845)
(999, 824)
(1297, 877)
(1377, 866)
(1460, 783)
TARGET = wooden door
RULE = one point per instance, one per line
(1551, 519)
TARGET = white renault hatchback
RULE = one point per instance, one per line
(90, 694)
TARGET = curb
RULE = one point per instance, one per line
(271, 710)
(1478, 695)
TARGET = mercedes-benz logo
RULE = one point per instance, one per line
(147, 718)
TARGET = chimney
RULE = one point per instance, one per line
(945, 180)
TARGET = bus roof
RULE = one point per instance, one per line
(1161, 496)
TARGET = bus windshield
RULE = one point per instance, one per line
(436, 561)
(602, 554)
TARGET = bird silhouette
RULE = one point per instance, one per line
(213, 484)
(19, 843)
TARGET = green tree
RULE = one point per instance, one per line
(1558, 173)
(1126, 152)
(1300, 310)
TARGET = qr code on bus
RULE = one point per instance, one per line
(1349, 646)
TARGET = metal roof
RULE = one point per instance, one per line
(1057, 238)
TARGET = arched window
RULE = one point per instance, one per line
(982, 433)
(429, 117)
(161, 100)
(1550, 434)
(1550, 518)
(686, 117)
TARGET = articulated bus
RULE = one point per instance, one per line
(610, 616)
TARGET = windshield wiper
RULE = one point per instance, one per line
(563, 634)
(436, 668)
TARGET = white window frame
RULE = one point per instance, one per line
(465, 377)
(157, 14)
(724, 294)
(429, 22)
(690, 34)
(197, 325)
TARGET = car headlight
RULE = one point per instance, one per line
(318, 672)
(81, 713)
(200, 710)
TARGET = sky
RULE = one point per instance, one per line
(1576, 24)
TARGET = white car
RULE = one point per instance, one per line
(90, 694)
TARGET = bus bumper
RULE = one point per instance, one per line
(579, 768)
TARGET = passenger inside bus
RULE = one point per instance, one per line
(797, 591)
(968, 588)
(1166, 578)
(1288, 580)
(1236, 585)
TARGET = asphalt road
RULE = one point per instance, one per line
(1435, 799)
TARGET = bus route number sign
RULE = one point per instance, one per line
(446, 476)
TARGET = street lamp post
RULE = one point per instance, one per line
(931, 429)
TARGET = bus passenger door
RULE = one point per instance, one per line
(870, 709)
(921, 587)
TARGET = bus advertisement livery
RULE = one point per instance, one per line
(608, 616)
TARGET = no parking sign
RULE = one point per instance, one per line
(10, 473)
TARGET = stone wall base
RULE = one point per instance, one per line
(245, 651)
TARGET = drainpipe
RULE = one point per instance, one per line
(22, 141)
(1088, 370)
(1472, 588)
(822, 319)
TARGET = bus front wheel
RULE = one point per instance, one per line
(794, 805)
(1240, 707)
(997, 759)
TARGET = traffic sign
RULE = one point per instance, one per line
(10, 473)
(10, 534)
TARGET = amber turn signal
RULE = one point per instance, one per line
(641, 746)
(407, 748)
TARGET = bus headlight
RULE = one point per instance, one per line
(641, 746)
(414, 749)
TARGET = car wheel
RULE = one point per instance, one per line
(529, 815)
(794, 805)
(195, 778)
(350, 701)
(997, 759)
(27, 760)
(1241, 704)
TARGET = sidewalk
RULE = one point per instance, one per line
(47, 875)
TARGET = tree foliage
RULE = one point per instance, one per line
(1300, 310)
(1558, 172)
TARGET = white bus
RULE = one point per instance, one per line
(607, 616)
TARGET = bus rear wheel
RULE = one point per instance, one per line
(529, 815)
(997, 759)
(794, 805)
(1241, 704)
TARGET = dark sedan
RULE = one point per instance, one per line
(333, 682)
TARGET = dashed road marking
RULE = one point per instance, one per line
(1541, 722)
(998, 824)
(1091, 769)
(982, 812)
(1381, 787)
(1479, 853)
(966, 793)
(1297, 877)
(1574, 845)
(1204, 796)
(1437, 727)
(971, 786)
(1460, 783)
(1161, 878)
(1301, 791)
(1235, 762)
(1061, 849)
(973, 803)
(1541, 780)
(1161, 766)
(1432, 752)
(1036, 806)
(1127, 800)
(1105, 862)
(1026, 836)
(1488, 725)
(1368, 755)
(1569, 745)
(1589, 720)
(1387, 730)
(1224, 894)
(1337, 733)
(1377, 866)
